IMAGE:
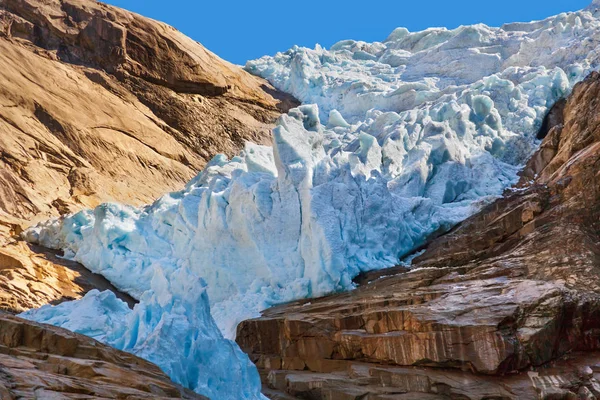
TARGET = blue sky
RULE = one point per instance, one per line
(242, 30)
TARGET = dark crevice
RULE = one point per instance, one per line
(555, 117)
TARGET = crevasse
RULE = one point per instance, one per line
(418, 132)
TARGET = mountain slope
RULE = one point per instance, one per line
(409, 137)
(102, 104)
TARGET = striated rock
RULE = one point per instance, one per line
(378, 382)
(100, 104)
(97, 103)
(513, 288)
(44, 362)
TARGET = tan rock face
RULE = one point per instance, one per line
(97, 103)
(515, 287)
(100, 104)
(359, 381)
(43, 362)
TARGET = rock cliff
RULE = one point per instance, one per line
(514, 288)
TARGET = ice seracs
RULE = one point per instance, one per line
(396, 140)
(594, 8)
(409, 69)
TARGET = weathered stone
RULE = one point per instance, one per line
(585, 394)
(594, 387)
(31, 276)
(586, 372)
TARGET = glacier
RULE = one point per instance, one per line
(395, 141)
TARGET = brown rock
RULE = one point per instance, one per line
(43, 362)
(97, 103)
(515, 287)
(585, 394)
(372, 381)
